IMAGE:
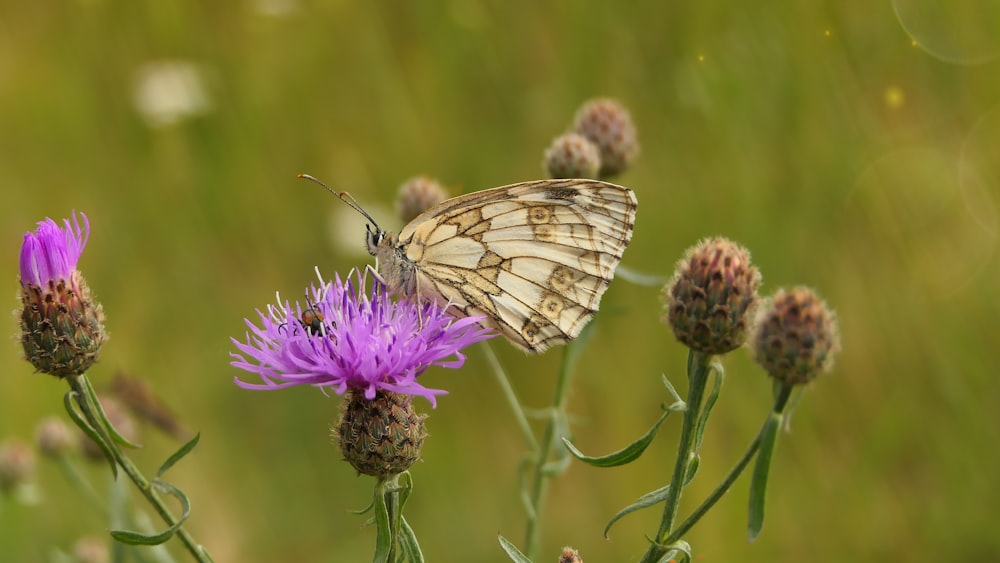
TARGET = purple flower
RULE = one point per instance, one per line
(51, 252)
(62, 326)
(347, 338)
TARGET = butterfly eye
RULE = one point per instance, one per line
(373, 237)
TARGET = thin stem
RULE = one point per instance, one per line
(780, 401)
(79, 385)
(76, 478)
(508, 393)
(698, 370)
(541, 481)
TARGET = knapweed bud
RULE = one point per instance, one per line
(711, 299)
(795, 336)
(17, 464)
(609, 126)
(62, 327)
(54, 437)
(572, 156)
(380, 437)
(417, 195)
(570, 555)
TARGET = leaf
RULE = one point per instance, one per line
(625, 455)
(137, 538)
(679, 405)
(88, 389)
(408, 543)
(679, 552)
(90, 431)
(383, 533)
(645, 501)
(758, 482)
(364, 510)
(512, 551)
(404, 489)
(709, 403)
(178, 455)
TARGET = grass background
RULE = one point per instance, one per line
(852, 147)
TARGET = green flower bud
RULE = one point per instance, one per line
(380, 437)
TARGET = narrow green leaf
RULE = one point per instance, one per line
(180, 453)
(692, 469)
(512, 551)
(405, 482)
(93, 400)
(645, 501)
(625, 455)
(679, 552)
(679, 404)
(90, 431)
(408, 544)
(364, 510)
(383, 533)
(758, 482)
(137, 538)
(709, 403)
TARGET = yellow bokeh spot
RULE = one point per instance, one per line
(827, 32)
(701, 58)
(894, 97)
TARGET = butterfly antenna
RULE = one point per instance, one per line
(342, 196)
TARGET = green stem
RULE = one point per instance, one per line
(541, 480)
(698, 370)
(79, 385)
(508, 393)
(80, 483)
(780, 401)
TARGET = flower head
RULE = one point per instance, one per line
(418, 194)
(354, 339)
(795, 336)
(572, 155)
(62, 327)
(711, 299)
(607, 124)
(52, 252)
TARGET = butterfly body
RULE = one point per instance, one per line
(534, 258)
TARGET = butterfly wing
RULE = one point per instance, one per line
(534, 258)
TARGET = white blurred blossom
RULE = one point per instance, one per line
(168, 91)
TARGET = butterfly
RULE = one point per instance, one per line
(533, 258)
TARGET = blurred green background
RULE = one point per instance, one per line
(853, 147)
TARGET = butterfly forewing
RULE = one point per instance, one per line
(534, 258)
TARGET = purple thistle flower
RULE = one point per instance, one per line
(347, 338)
(51, 252)
(62, 326)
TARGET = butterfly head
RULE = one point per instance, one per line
(374, 237)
